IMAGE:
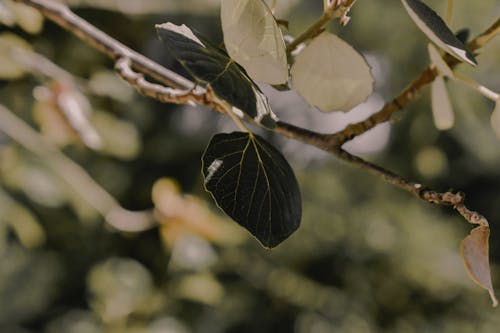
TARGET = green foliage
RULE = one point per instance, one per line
(367, 257)
(209, 65)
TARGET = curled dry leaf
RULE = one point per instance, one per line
(476, 259)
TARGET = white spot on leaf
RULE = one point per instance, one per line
(212, 169)
(180, 29)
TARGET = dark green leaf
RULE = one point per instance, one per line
(208, 64)
(463, 35)
(253, 183)
(436, 29)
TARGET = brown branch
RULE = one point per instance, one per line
(383, 115)
(64, 17)
(426, 77)
(335, 10)
(123, 67)
(180, 90)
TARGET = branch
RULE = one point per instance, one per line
(182, 90)
(62, 15)
(426, 77)
(485, 37)
(331, 10)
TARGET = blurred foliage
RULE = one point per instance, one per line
(367, 258)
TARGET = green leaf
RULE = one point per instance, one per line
(209, 65)
(254, 40)
(436, 30)
(253, 183)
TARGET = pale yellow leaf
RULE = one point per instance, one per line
(438, 61)
(476, 259)
(254, 40)
(442, 110)
(331, 75)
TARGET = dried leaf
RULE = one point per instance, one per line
(476, 259)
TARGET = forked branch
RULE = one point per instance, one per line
(133, 66)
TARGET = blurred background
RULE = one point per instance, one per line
(85, 162)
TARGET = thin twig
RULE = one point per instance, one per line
(449, 12)
(426, 77)
(330, 12)
(123, 67)
(386, 112)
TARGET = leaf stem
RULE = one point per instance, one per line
(488, 93)
(485, 37)
(449, 13)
